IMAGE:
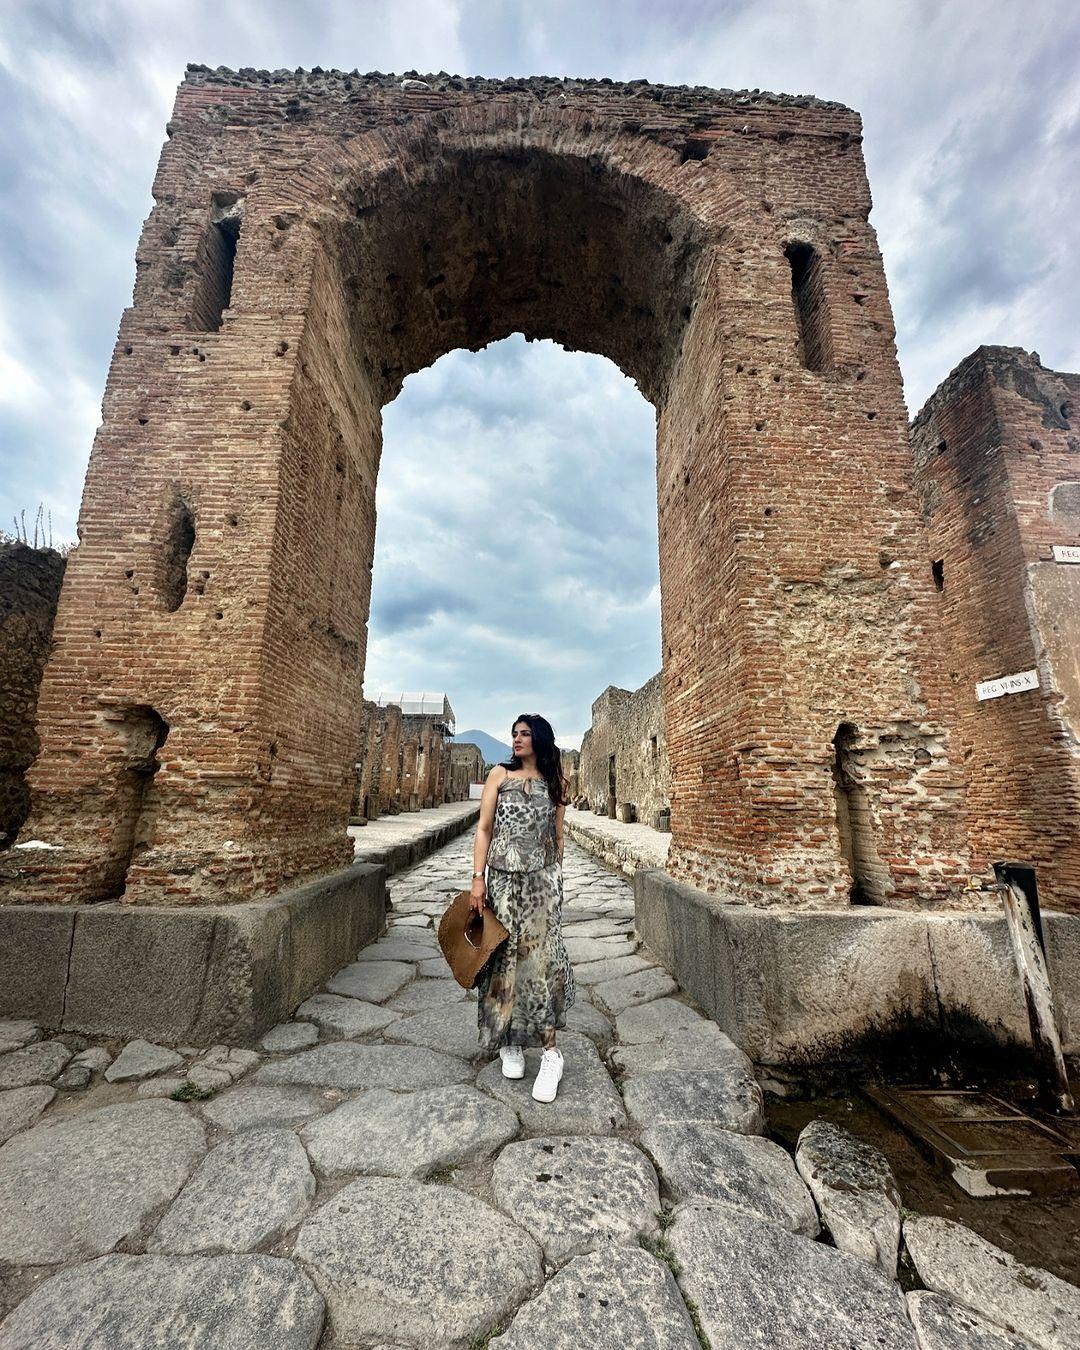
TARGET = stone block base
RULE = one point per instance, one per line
(196, 975)
(856, 990)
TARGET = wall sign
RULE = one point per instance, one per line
(1008, 684)
(1067, 553)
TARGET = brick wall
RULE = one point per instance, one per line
(716, 247)
(29, 586)
(997, 456)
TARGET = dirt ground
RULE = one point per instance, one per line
(1040, 1232)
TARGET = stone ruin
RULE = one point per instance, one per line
(407, 758)
(828, 603)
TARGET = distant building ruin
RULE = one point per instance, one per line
(624, 771)
(405, 755)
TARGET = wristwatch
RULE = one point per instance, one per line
(478, 874)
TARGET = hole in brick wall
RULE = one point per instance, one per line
(942, 446)
(216, 261)
(695, 147)
(97, 632)
(219, 615)
(1066, 411)
(808, 298)
(281, 349)
(768, 510)
(179, 542)
(855, 821)
(937, 571)
(234, 520)
(129, 573)
(870, 416)
(141, 733)
(245, 406)
(128, 351)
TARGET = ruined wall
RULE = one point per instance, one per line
(571, 760)
(369, 766)
(466, 766)
(624, 760)
(316, 237)
(30, 581)
(997, 456)
(387, 752)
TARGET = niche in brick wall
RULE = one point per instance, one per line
(811, 308)
(141, 732)
(855, 821)
(179, 541)
(215, 261)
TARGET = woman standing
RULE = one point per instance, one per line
(528, 984)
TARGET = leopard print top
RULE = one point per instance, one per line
(523, 834)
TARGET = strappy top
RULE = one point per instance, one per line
(523, 834)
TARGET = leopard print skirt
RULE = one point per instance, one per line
(528, 984)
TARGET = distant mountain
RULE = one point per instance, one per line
(494, 751)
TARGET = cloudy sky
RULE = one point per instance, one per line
(971, 112)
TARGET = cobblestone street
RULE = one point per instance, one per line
(363, 1179)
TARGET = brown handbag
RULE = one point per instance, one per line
(469, 940)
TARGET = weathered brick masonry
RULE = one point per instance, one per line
(29, 585)
(318, 236)
(997, 454)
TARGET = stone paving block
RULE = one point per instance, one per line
(756, 1284)
(75, 1077)
(141, 1059)
(404, 1264)
(576, 1194)
(942, 1325)
(249, 1190)
(374, 981)
(617, 1299)
(21, 1107)
(412, 948)
(435, 968)
(39, 1063)
(254, 1107)
(961, 1265)
(162, 1086)
(651, 1021)
(855, 1190)
(221, 1065)
(730, 1098)
(15, 1033)
(97, 1057)
(615, 996)
(289, 1036)
(754, 1175)
(344, 1064)
(162, 1302)
(408, 1134)
(594, 928)
(583, 950)
(586, 1020)
(76, 1187)
(701, 1045)
(344, 1016)
(587, 1101)
(423, 994)
(451, 1029)
(598, 972)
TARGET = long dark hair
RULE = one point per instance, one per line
(548, 757)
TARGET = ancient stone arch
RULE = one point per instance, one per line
(318, 236)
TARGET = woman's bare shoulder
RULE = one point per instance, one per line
(497, 773)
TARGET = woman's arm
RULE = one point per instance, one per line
(482, 843)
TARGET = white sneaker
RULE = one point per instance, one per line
(547, 1080)
(513, 1061)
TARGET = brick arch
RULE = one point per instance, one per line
(792, 559)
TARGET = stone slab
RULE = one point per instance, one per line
(701, 1045)
(576, 1194)
(139, 1302)
(190, 975)
(942, 1325)
(596, 972)
(586, 1020)
(650, 1021)
(38, 1063)
(347, 1065)
(289, 1036)
(411, 948)
(141, 1059)
(403, 1264)
(76, 1187)
(961, 1265)
(627, 991)
(423, 994)
(344, 1016)
(586, 1103)
(855, 1190)
(801, 989)
(15, 1034)
(730, 1098)
(584, 950)
(752, 1175)
(35, 945)
(618, 1299)
(372, 981)
(594, 928)
(451, 1029)
(408, 1134)
(757, 1284)
(20, 1107)
(249, 1190)
(254, 1107)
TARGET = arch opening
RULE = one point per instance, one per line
(141, 732)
